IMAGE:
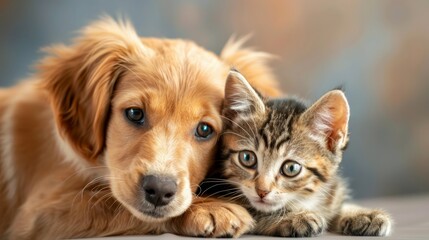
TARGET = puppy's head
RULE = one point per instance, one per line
(148, 109)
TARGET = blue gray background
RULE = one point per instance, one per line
(377, 50)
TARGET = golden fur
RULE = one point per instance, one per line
(71, 163)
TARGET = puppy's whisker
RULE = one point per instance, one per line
(97, 182)
(103, 199)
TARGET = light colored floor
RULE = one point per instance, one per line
(411, 216)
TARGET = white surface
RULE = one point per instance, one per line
(410, 214)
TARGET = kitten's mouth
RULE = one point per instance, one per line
(264, 206)
(262, 201)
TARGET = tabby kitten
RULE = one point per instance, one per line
(283, 157)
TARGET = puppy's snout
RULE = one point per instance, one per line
(159, 190)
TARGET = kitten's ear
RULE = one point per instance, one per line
(240, 97)
(328, 119)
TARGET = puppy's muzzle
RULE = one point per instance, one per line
(159, 190)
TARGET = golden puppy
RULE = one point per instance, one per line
(114, 134)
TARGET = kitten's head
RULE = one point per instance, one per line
(280, 152)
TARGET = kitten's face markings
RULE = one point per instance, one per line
(284, 151)
(264, 176)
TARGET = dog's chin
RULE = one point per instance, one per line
(149, 213)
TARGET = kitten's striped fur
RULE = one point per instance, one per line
(285, 135)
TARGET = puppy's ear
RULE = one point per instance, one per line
(80, 80)
(328, 119)
(241, 98)
(252, 64)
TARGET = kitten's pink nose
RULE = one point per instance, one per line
(262, 193)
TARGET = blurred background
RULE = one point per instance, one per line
(377, 50)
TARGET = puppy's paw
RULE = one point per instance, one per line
(216, 219)
(366, 223)
(306, 224)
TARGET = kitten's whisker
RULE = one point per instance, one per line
(232, 121)
(239, 195)
(216, 185)
(224, 195)
(254, 135)
(218, 182)
(255, 126)
(208, 180)
(237, 134)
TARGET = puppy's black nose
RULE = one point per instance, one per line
(159, 190)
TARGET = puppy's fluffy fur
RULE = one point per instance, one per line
(71, 162)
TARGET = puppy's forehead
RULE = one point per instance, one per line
(180, 79)
(199, 100)
(159, 93)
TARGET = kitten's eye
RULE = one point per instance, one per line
(203, 131)
(247, 158)
(135, 115)
(290, 168)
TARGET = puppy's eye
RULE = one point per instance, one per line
(135, 115)
(247, 158)
(203, 130)
(290, 168)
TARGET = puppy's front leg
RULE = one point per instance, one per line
(210, 217)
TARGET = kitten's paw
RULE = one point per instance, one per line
(305, 224)
(366, 223)
(216, 219)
